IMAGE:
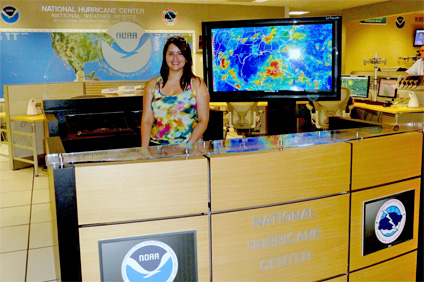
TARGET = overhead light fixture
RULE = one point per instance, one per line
(298, 13)
(260, 1)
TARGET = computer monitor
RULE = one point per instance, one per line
(419, 37)
(387, 88)
(358, 85)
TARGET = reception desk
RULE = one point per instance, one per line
(333, 206)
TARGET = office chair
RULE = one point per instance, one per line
(242, 116)
(321, 111)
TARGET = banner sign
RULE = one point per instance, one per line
(159, 257)
(374, 21)
(124, 52)
(388, 221)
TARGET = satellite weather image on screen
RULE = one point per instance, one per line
(357, 85)
(273, 58)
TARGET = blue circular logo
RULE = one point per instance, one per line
(150, 261)
(10, 14)
(390, 221)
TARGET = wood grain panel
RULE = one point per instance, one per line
(90, 236)
(399, 269)
(263, 178)
(386, 159)
(283, 247)
(358, 198)
(132, 191)
(342, 278)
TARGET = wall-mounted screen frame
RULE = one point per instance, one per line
(268, 59)
(387, 88)
(419, 37)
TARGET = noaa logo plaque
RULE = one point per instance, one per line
(160, 257)
(388, 221)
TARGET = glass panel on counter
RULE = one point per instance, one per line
(237, 145)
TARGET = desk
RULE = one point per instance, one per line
(260, 104)
(390, 115)
(26, 140)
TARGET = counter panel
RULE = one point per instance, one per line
(305, 241)
(358, 223)
(379, 161)
(399, 269)
(90, 236)
(265, 178)
(342, 278)
(134, 191)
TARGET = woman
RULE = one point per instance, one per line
(175, 105)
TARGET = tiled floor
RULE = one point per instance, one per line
(26, 252)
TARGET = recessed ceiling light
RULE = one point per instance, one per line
(260, 1)
(297, 13)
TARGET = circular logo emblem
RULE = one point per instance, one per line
(390, 221)
(130, 49)
(10, 14)
(400, 22)
(170, 16)
(150, 261)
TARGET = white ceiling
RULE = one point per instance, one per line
(316, 7)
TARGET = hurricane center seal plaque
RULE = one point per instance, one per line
(390, 221)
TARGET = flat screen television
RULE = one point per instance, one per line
(419, 37)
(358, 85)
(387, 88)
(268, 59)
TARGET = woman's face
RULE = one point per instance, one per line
(174, 58)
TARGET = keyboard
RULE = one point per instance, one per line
(375, 103)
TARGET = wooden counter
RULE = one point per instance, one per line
(303, 213)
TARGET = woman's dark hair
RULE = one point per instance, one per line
(182, 44)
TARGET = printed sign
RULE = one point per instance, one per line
(374, 21)
(388, 221)
(124, 52)
(160, 257)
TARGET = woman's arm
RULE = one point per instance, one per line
(202, 101)
(147, 118)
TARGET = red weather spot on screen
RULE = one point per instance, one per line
(237, 86)
(224, 63)
(274, 69)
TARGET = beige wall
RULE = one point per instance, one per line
(359, 41)
(362, 41)
(190, 16)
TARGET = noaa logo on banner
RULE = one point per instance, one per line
(10, 14)
(150, 261)
(170, 16)
(390, 221)
(131, 49)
